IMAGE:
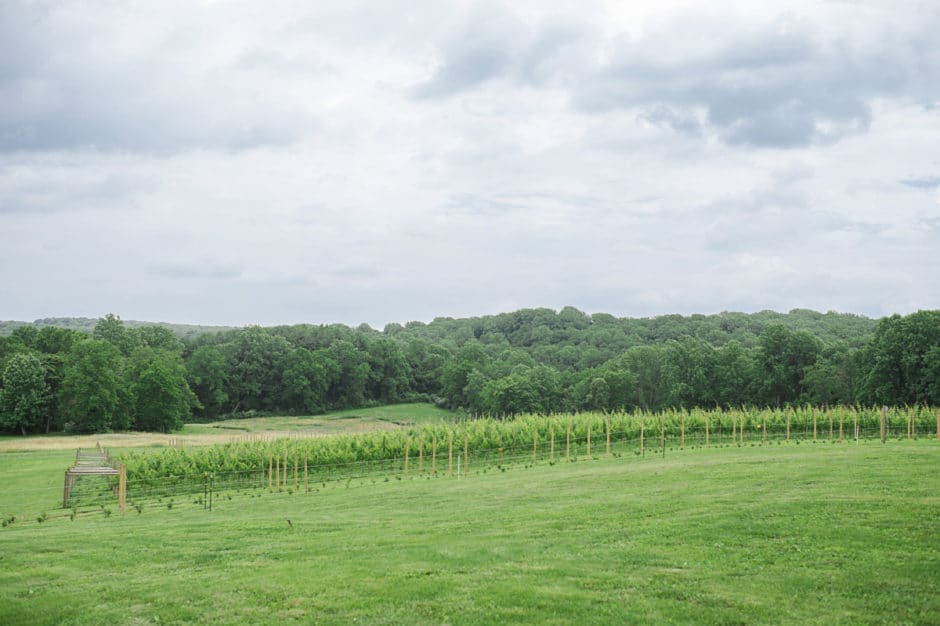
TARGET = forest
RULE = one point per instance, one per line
(119, 376)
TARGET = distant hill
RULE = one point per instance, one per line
(87, 324)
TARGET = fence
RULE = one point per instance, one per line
(290, 470)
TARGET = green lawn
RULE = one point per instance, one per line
(350, 420)
(796, 534)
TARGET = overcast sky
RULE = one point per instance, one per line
(285, 162)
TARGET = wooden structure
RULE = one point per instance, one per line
(93, 462)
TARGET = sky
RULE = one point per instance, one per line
(317, 162)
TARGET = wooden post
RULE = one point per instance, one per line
(706, 430)
(662, 426)
(734, 428)
(122, 489)
(270, 471)
(420, 456)
(277, 473)
(296, 484)
(830, 425)
(450, 454)
(642, 442)
(909, 422)
(551, 456)
(855, 424)
(466, 454)
(813, 411)
(764, 419)
(535, 444)
(682, 439)
(938, 424)
(788, 424)
(608, 436)
(589, 442)
(884, 423)
(568, 441)
(306, 483)
(407, 446)
(434, 455)
(285, 470)
(841, 417)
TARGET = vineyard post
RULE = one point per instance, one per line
(855, 424)
(706, 430)
(764, 420)
(270, 471)
(296, 485)
(434, 455)
(589, 442)
(306, 483)
(450, 454)
(909, 422)
(608, 436)
(407, 445)
(277, 473)
(830, 425)
(734, 428)
(788, 424)
(682, 439)
(884, 423)
(662, 426)
(285, 470)
(841, 417)
(466, 455)
(642, 442)
(568, 442)
(535, 443)
(551, 456)
(813, 411)
(122, 489)
(421, 456)
(938, 424)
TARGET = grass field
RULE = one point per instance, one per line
(349, 421)
(797, 534)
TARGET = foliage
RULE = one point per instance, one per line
(25, 394)
(528, 361)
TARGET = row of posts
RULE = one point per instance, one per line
(279, 468)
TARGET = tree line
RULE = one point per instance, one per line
(531, 361)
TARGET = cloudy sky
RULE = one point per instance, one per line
(284, 162)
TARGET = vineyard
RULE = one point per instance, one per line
(473, 446)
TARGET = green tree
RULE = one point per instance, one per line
(783, 357)
(207, 376)
(307, 379)
(91, 398)
(163, 400)
(110, 328)
(897, 366)
(25, 395)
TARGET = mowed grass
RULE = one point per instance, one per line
(348, 421)
(778, 534)
(341, 422)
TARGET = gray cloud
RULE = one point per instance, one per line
(68, 81)
(232, 163)
(932, 182)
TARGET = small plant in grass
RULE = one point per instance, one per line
(8, 520)
(169, 504)
(106, 511)
(42, 517)
(140, 507)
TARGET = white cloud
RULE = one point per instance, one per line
(224, 163)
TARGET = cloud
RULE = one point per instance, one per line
(125, 81)
(931, 182)
(780, 82)
(493, 43)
